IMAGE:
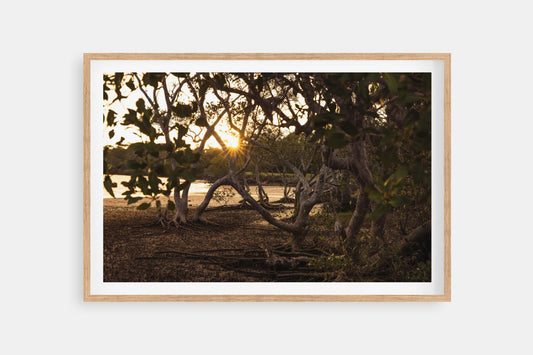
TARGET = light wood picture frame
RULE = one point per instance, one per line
(95, 288)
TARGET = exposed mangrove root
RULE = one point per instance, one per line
(269, 264)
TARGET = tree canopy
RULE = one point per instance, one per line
(370, 132)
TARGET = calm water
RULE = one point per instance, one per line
(198, 189)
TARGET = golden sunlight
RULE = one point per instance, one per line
(230, 140)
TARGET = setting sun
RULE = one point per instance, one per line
(231, 141)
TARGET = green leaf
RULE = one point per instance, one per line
(118, 77)
(132, 200)
(173, 178)
(373, 193)
(401, 172)
(363, 89)
(409, 98)
(336, 140)
(182, 131)
(130, 84)
(190, 156)
(379, 211)
(141, 106)
(153, 148)
(153, 79)
(348, 127)
(398, 201)
(392, 84)
(110, 118)
(131, 117)
(182, 110)
(144, 206)
(154, 182)
(220, 80)
(388, 156)
(393, 184)
(323, 119)
(138, 148)
(111, 134)
(108, 184)
(143, 185)
(201, 121)
(189, 176)
(317, 135)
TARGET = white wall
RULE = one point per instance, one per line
(41, 307)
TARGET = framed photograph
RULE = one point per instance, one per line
(267, 177)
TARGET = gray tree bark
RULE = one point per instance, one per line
(378, 226)
(208, 196)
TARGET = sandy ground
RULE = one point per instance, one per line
(235, 245)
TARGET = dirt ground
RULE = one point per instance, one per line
(236, 245)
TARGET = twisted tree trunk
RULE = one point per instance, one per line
(261, 194)
(208, 196)
(296, 228)
(181, 200)
(356, 222)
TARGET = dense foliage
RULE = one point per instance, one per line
(360, 142)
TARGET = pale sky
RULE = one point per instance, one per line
(132, 135)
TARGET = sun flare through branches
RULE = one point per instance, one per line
(232, 141)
